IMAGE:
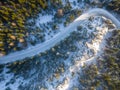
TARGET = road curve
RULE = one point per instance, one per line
(33, 50)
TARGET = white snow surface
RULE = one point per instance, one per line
(43, 19)
(66, 80)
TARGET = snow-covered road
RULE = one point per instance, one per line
(33, 50)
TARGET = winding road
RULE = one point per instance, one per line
(33, 50)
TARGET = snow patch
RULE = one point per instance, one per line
(44, 19)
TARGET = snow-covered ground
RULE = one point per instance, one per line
(33, 50)
(43, 19)
(61, 74)
(53, 71)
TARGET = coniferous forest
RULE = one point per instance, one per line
(87, 59)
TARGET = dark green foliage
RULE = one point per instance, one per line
(13, 17)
